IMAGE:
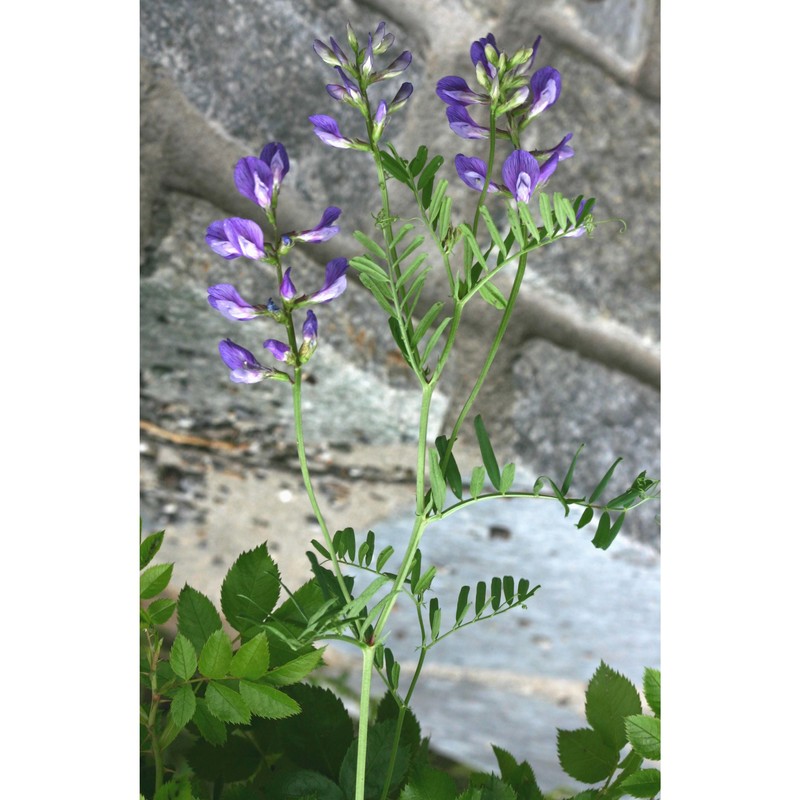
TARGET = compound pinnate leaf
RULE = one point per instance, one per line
(154, 580)
(644, 734)
(643, 783)
(610, 697)
(584, 755)
(216, 655)
(250, 589)
(183, 658)
(251, 660)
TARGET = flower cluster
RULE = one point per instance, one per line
(355, 75)
(507, 89)
(259, 180)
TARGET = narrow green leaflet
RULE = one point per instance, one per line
(394, 167)
(149, 547)
(182, 707)
(451, 473)
(424, 582)
(585, 519)
(371, 245)
(401, 234)
(560, 211)
(507, 478)
(438, 198)
(469, 237)
(426, 322)
(410, 270)
(644, 734)
(606, 532)
(183, 658)
(487, 453)
(570, 472)
(379, 293)
(547, 214)
(369, 267)
(462, 604)
(604, 481)
(427, 174)
(477, 481)
(216, 655)
(226, 704)
(435, 618)
(643, 783)
(251, 660)
(498, 240)
(537, 488)
(529, 223)
(418, 162)
(267, 701)
(353, 608)
(435, 336)
(154, 580)
(492, 295)
(383, 557)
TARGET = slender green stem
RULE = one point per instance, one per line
(312, 497)
(368, 656)
(152, 722)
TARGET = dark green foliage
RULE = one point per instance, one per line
(250, 590)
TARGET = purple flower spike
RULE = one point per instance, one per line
(229, 303)
(463, 125)
(274, 155)
(456, 92)
(278, 349)
(545, 88)
(335, 282)
(236, 237)
(521, 174)
(242, 363)
(287, 287)
(254, 180)
(310, 329)
(328, 130)
(324, 231)
(473, 172)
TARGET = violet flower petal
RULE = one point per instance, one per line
(278, 349)
(244, 366)
(236, 237)
(328, 130)
(463, 125)
(454, 90)
(254, 180)
(545, 88)
(335, 281)
(473, 172)
(310, 328)
(287, 287)
(324, 230)
(274, 155)
(225, 299)
(521, 174)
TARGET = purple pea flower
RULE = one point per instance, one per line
(477, 52)
(521, 174)
(455, 91)
(382, 41)
(328, 130)
(323, 231)
(332, 56)
(348, 91)
(463, 125)
(236, 237)
(335, 282)
(288, 292)
(401, 98)
(243, 365)
(278, 349)
(397, 67)
(545, 88)
(254, 180)
(230, 304)
(310, 329)
(274, 155)
(473, 172)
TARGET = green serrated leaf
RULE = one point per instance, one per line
(182, 706)
(211, 729)
(438, 489)
(251, 588)
(161, 610)
(643, 783)
(183, 658)
(294, 670)
(652, 689)
(584, 755)
(251, 660)
(226, 704)
(149, 547)
(197, 617)
(216, 655)
(427, 783)
(610, 697)
(477, 481)
(154, 580)
(644, 734)
(267, 701)
(303, 784)
(487, 453)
